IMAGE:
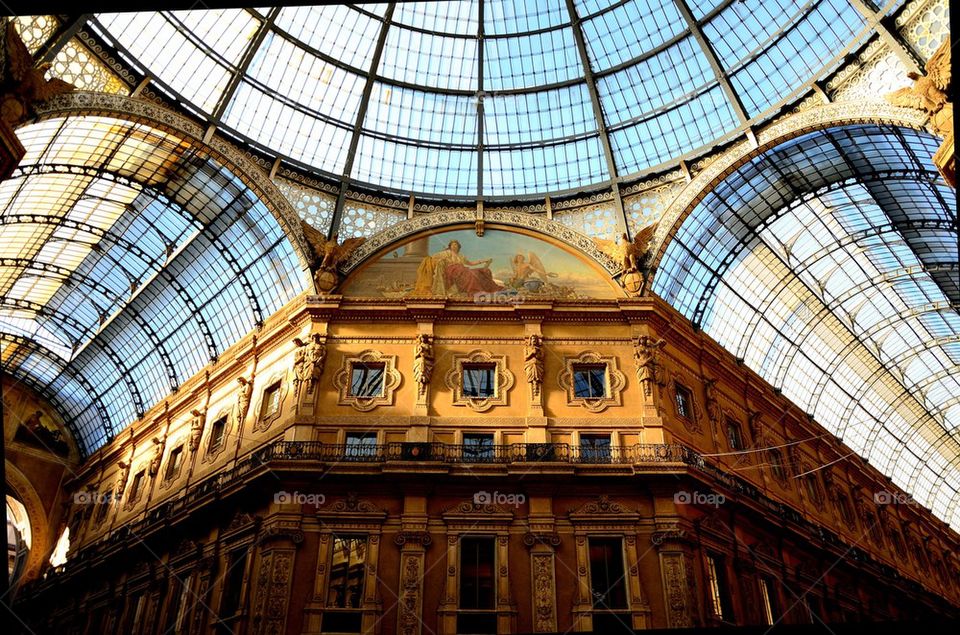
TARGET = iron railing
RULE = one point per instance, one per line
(472, 454)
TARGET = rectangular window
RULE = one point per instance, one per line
(232, 584)
(479, 380)
(718, 589)
(478, 448)
(186, 606)
(106, 499)
(366, 379)
(173, 463)
(595, 448)
(271, 400)
(135, 488)
(734, 436)
(348, 567)
(776, 465)
(768, 601)
(477, 599)
(590, 381)
(217, 432)
(608, 584)
(361, 445)
(684, 401)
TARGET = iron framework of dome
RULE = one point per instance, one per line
(493, 98)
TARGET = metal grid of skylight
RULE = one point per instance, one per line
(818, 264)
(131, 259)
(381, 94)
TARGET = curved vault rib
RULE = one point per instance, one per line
(825, 271)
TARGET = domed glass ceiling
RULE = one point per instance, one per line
(494, 98)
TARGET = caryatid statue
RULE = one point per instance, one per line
(316, 357)
(157, 455)
(533, 363)
(423, 361)
(646, 354)
(301, 370)
(244, 393)
(122, 478)
(196, 428)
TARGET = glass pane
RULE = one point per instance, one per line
(608, 584)
(479, 381)
(595, 448)
(478, 447)
(347, 571)
(361, 445)
(590, 382)
(476, 573)
(366, 380)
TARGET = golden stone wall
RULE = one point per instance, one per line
(272, 498)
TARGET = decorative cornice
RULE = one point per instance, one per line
(420, 538)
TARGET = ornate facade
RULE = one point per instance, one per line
(680, 494)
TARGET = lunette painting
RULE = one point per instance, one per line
(499, 267)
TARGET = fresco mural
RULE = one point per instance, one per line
(498, 267)
(34, 423)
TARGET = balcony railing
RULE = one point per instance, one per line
(472, 454)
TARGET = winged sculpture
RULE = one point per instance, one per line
(631, 255)
(329, 253)
(930, 92)
(21, 83)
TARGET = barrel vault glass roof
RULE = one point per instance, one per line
(492, 98)
(830, 265)
(129, 258)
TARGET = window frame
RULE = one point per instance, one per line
(614, 381)
(683, 401)
(769, 603)
(595, 453)
(358, 440)
(470, 367)
(174, 463)
(344, 613)
(718, 585)
(475, 453)
(223, 421)
(621, 580)
(581, 367)
(365, 367)
(732, 424)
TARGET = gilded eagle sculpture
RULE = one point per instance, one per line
(327, 255)
(633, 257)
(930, 92)
(22, 84)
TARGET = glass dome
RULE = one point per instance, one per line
(494, 98)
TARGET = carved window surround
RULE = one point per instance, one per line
(471, 519)
(142, 469)
(391, 381)
(504, 380)
(604, 518)
(357, 517)
(614, 381)
(209, 456)
(173, 444)
(693, 422)
(261, 422)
